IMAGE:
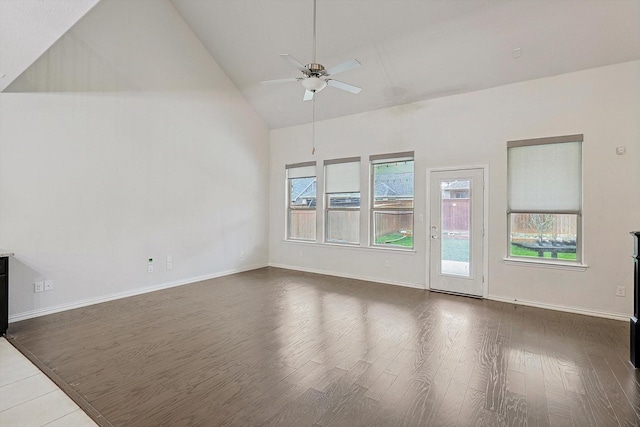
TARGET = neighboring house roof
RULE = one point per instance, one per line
(304, 188)
(391, 185)
(455, 185)
(394, 185)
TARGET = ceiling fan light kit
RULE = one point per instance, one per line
(314, 84)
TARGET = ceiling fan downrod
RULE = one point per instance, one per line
(314, 33)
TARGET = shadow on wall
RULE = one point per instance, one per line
(21, 276)
(139, 56)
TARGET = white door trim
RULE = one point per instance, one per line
(485, 214)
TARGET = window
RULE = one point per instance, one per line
(342, 193)
(545, 198)
(301, 201)
(392, 201)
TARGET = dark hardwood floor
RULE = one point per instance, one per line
(276, 347)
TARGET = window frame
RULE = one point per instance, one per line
(327, 204)
(578, 263)
(288, 208)
(379, 159)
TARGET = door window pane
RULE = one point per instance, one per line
(455, 227)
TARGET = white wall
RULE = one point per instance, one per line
(142, 147)
(472, 129)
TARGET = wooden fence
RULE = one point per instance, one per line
(387, 223)
(345, 226)
(564, 226)
(302, 224)
(455, 218)
(455, 215)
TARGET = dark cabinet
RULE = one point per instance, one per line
(4, 294)
(635, 327)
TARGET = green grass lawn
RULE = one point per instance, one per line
(395, 239)
(458, 249)
(518, 251)
(452, 249)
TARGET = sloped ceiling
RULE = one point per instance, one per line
(29, 27)
(410, 50)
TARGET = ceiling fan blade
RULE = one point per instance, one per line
(343, 86)
(293, 61)
(308, 95)
(292, 79)
(345, 66)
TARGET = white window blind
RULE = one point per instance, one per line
(301, 170)
(342, 177)
(545, 175)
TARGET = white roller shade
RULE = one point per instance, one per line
(545, 177)
(342, 177)
(301, 171)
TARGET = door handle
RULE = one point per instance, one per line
(434, 236)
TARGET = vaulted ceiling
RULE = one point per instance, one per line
(410, 50)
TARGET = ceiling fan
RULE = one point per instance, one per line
(315, 76)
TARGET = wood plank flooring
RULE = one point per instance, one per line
(274, 347)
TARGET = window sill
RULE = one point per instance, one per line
(557, 265)
(391, 249)
(304, 242)
(353, 247)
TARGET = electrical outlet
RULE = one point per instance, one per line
(48, 285)
(169, 258)
(38, 286)
(620, 291)
(387, 264)
(150, 268)
(169, 266)
(299, 252)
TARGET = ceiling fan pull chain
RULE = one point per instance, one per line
(313, 126)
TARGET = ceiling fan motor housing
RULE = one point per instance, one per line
(315, 69)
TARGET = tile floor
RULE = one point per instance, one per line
(29, 398)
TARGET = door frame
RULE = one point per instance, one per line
(485, 223)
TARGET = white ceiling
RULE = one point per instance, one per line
(410, 50)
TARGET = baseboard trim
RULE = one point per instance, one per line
(564, 308)
(106, 298)
(347, 276)
(91, 301)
